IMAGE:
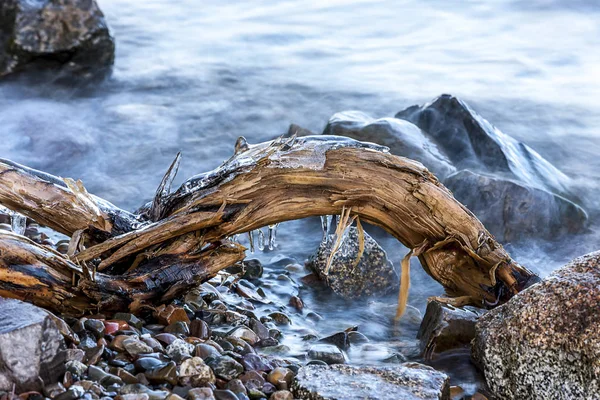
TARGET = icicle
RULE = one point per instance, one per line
(330, 222)
(251, 240)
(236, 237)
(324, 225)
(261, 240)
(272, 233)
(18, 223)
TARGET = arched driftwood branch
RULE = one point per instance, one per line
(294, 178)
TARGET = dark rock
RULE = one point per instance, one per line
(32, 350)
(104, 378)
(471, 142)
(252, 269)
(163, 374)
(204, 351)
(355, 338)
(374, 274)
(145, 363)
(402, 137)
(224, 395)
(178, 328)
(280, 318)
(339, 339)
(71, 34)
(96, 327)
(226, 368)
(511, 210)
(445, 327)
(298, 131)
(259, 328)
(165, 338)
(255, 362)
(74, 392)
(327, 353)
(130, 319)
(404, 381)
(199, 329)
(236, 386)
(545, 341)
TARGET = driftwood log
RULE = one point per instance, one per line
(118, 260)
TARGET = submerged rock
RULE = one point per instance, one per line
(445, 327)
(71, 34)
(402, 137)
(404, 381)
(374, 274)
(545, 343)
(471, 142)
(32, 350)
(511, 210)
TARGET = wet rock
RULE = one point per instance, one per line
(104, 378)
(199, 329)
(204, 351)
(129, 319)
(178, 328)
(255, 362)
(281, 378)
(280, 318)
(402, 137)
(327, 353)
(282, 395)
(374, 274)
(74, 392)
(179, 350)
(96, 327)
(471, 142)
(445, 327)
(252, 269)
(201, 394)
(511, 210)
(76, 367)
(225, 395)
(339, 339)
(404, 381)
(236, 386)
(259, 328)
(195, 372)
(132, 396)
(169, 314)
(163, 374)
(244, 333)
(545, 341)
(141, 389)
(226, 368)
(32, 350)
(135, 347)
(355, 338)
(71, 34)
(145, 363)
(165, 338)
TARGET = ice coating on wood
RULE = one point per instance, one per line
(18, 223)
(279, 153)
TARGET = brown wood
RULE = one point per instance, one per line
(279, 181)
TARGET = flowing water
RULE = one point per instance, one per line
(192, 76)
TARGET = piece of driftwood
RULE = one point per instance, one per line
(277, 181)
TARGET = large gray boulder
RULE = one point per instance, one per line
(402, 137)
(348, 382)
(49, 33)
(32, 350)
(545, 342)
(374, 274)
(471, 142)
(511, 210)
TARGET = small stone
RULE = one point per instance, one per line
(226, 368)
(104, 378)
(282, 395)
(179, 350)
(244, 333)
(280, 318)
(255, 362)
(195, 372)
(95, 326)
(74, 354)
(205, 351)
(143, 364)
(236, 386)
(165, 338)
(339, 339)
(54, 389)
(297, 303)
(76, 367)
(110, 327)
(178, 328)
(199, 329)
(126, 377)
(130, 319)
(252, 379)
(133, 396)
(163, 374)
(174, 396)
(117, 343)
(201, 394)
(73, 393)
(141, 389)
(135, 347)
(252, 269)
(327, 353)
(281, 378)
(259, 328)
(170, 314)
(225, 395)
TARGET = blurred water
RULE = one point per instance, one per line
(193, 76)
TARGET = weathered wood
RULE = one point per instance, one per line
(294, 178)
(62, 204)
(37, 274)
